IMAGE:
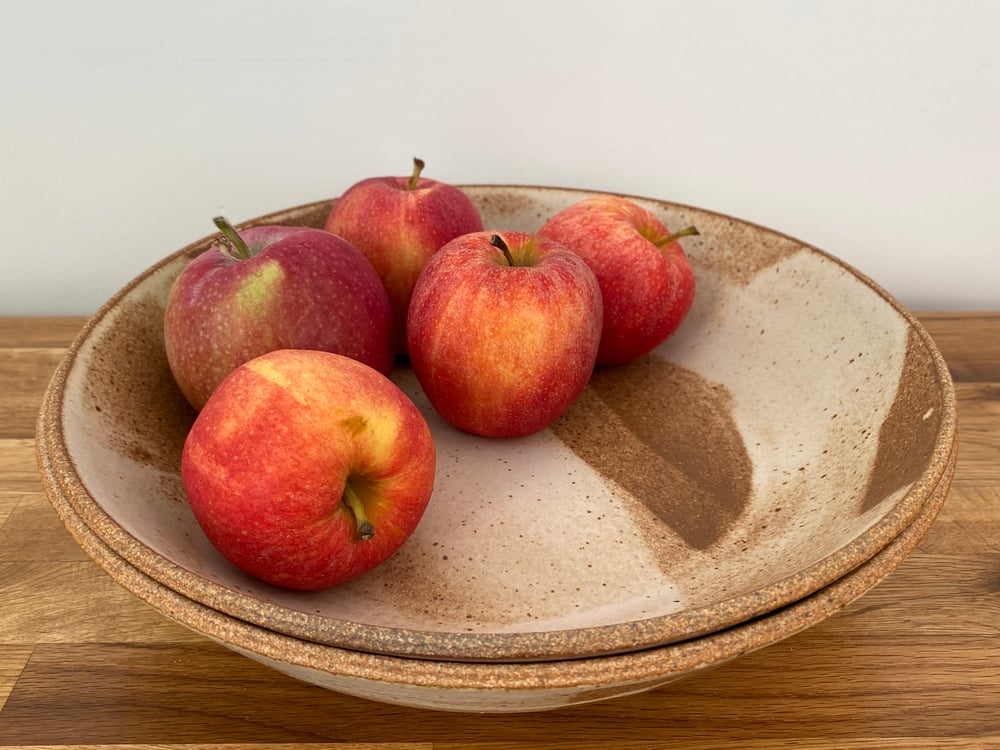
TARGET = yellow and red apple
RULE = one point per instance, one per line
(503, 331)
(306, 468)
(647, 284)
(273, 287)
(399, 223)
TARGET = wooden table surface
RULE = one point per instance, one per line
(915, 663)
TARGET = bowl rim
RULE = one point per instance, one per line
(651, 632)
(654, 666)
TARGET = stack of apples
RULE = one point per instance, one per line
(307, 465)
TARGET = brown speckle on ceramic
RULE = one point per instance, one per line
(500, 687)
(797, 422)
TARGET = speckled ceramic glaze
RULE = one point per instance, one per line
(494, 687)
(795, 425)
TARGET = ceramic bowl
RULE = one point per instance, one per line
(795, 425)
(483, 687)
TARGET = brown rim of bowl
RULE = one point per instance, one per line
(662, 662)
(58, 467)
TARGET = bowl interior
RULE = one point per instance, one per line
(796, 423)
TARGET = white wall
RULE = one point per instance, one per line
(870, 129)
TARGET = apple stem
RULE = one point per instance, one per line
(235, 241)
(676, 236)
(497, 241)
(418, 167)
(365, 528)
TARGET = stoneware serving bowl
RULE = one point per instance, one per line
(496, 687)
(795, 425)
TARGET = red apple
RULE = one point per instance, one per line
(273, 287)
(503, 331)
(646, 282)
(307, 468)
(398, 223)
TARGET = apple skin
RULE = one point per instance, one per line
(301, 288)
(647, 289)
(501, 350)
(266, 463)
(399, 227)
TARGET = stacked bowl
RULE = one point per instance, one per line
(773, 460)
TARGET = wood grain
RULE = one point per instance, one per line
(969, 342)
(915, 663)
